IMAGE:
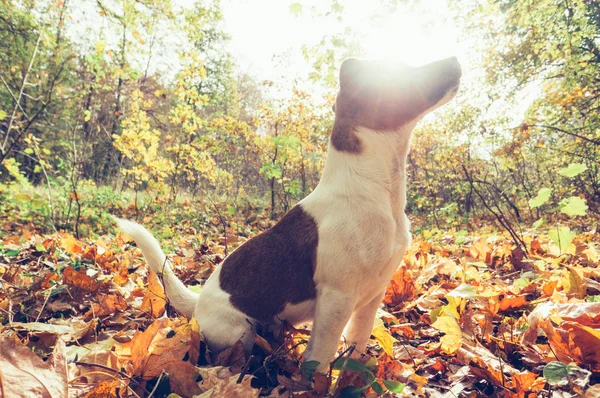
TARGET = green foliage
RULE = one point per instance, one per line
(542, 197)
(308, 369)
(352, 365)
(557, 373)
(573, 170)
(562, 237)
(574, 206)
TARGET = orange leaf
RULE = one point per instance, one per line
(148, 353)
(70, 244)
(109, 304)
(80, 280)
(400, 289)
(107, 388)
(155, 299)
(587, 340)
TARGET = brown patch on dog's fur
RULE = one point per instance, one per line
(274, 268)
(384, 98)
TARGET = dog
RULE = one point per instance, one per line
(330, 258)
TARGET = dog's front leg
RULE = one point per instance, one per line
(333, 310)
(361, 324)
(362, 320)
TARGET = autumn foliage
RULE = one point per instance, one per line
(150, 118)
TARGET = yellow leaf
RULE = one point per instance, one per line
(383, 337)
(452, 340)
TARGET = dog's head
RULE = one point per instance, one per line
(386, 98)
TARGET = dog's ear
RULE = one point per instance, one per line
(349, 70)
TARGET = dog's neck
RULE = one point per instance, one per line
(377, 172)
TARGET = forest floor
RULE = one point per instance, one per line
(467, 314)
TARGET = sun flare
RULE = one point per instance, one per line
(409, 37)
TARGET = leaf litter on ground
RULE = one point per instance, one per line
(86, 318)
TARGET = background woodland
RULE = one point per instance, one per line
(145, 113)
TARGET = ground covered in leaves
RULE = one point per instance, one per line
(466, 315)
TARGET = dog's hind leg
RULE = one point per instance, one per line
(221, 323)
(333, 311)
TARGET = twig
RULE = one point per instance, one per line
(157, 383)
(244, 369)
(409, 354)
(14, 98)
(348, 351)
(268, 359)
(44, 305)
(12, 117)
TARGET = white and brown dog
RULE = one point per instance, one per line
(329, 259)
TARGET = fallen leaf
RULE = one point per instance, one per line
(24, 374)
(150, 351)
(452, 339)
(79, 280)
(383, 337)
(400, 289)
(233, 357)
(71, 245)
(587, 341)
(155, 299)
(183, 377)
(109, 304)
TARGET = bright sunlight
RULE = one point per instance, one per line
(190, 206)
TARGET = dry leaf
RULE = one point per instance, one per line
(155, 299)
(183, 377)
(24, 374)
(80, 280)
(383, 337)
(150, 351)
(452, 339)
(400, 289)
(109, 304)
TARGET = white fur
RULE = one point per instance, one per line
(359, 209)
(183, 299)
(363, 233)
(221, 323)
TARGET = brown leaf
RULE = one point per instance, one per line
(593, 391)
(262, 343)
(587, 341)
(74, 329)
(155, 299)
(584, 313)
(80, 279)
(231, 389)
(488, 366)
(24, 374)
(183, 376)
(150, 351)
(109, 304)
(540, 318)
(233, 357)
(400, 289)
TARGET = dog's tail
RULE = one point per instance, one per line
(183, 299)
